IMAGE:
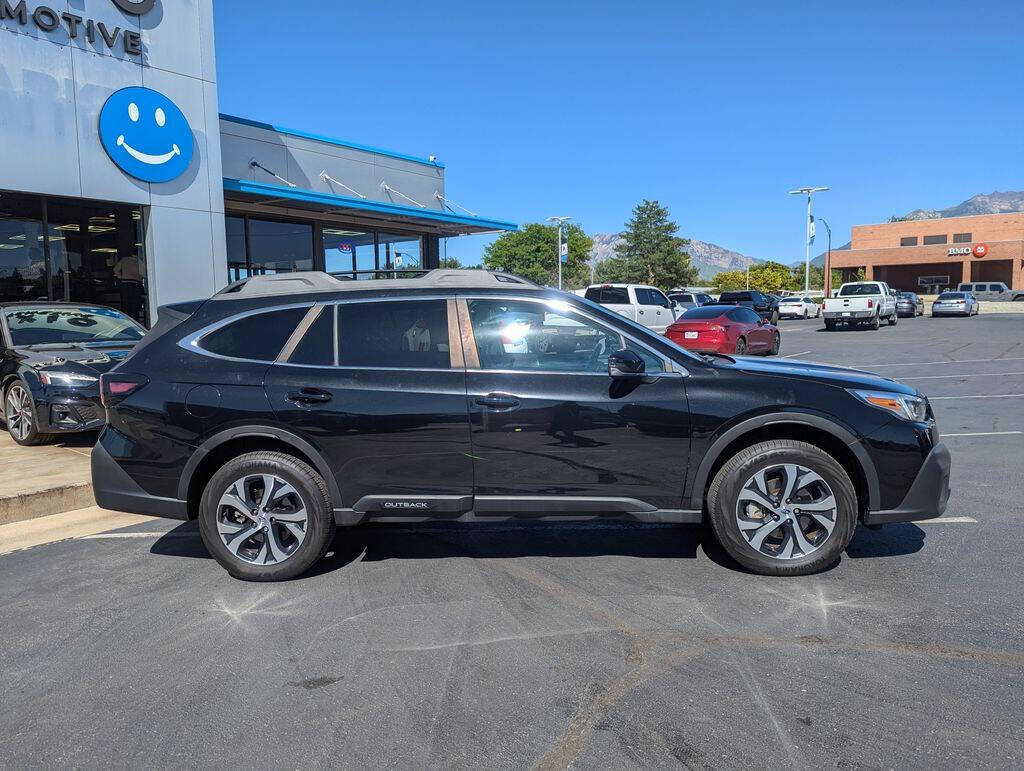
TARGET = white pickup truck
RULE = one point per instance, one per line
(643, 304)
(861, 302)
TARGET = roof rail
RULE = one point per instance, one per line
(303, 282)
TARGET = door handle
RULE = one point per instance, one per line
(309, 396)
(498, 401)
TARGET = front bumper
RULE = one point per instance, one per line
(928, 495)
(68, 412)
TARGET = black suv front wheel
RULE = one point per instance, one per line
(783, 508)
(266, 516)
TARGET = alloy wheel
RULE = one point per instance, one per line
(786, 511)
(262, 519)
(19, 412)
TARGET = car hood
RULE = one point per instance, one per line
(828, 374)
(92, 359)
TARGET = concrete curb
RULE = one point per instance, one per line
(40, 503)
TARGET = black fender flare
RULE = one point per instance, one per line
(791, 418)
(268, 432)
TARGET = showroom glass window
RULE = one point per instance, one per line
(347, 249)
(260, 247)
(58, 249)
(397, 253)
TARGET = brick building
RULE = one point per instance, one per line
(931, 255)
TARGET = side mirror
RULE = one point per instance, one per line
(625, 363)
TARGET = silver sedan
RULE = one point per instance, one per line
(956, 304)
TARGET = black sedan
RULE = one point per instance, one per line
(53, 356)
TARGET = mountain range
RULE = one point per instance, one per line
(710, 258)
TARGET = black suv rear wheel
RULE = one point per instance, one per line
(783, 508)
(266, 516)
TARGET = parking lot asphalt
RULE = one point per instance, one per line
(545, 645)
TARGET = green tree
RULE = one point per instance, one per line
(728, 280)
(894, 218)
(651, 252)
(451, 263)
(771, 277)
(532, 254)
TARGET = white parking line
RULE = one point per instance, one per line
(953, 377)
(987, 433)
(947, 361)
(947, 521)
(978, 396)
(154, 534)
(791, 355)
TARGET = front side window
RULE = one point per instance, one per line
(395, 335)
(259, 337)
(748, 316)
(528, 336)
(84, 325)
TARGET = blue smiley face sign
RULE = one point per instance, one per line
(146, 135)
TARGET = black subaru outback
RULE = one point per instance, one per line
(288, 405)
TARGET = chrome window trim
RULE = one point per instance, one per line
(669, 366)
(191, 343)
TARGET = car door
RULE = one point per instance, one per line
(378, 387)
(552, 432)
(758, 337)
(653, 309)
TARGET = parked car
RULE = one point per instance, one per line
(725, 329)
(955, 304)
(53, 355)
(288, 404)
(687, 300)
(765, 306)
(643, 304)
(861, 302)
(798, 308)
(909, 304)
(996, 291)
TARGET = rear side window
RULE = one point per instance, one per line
(259, 337)
(402, 335)
(316, 347)
(608, 295)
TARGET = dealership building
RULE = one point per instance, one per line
(122, 184)
(935, 254)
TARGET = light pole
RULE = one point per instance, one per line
(808, 191)
(558, 248)
(827, 278)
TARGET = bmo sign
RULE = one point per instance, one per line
(978, 250)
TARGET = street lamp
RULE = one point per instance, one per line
(808, 191)
(827, 278)
(558, 249)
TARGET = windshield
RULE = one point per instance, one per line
(858, 290)
(43, 325)
(907, 295)
(638, 330)
(790, 301)
(951, 296)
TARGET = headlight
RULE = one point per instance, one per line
(907, 407)
(70, 379)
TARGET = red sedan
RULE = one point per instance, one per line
(725, 329)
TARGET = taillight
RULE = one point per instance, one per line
(871, 304)
(117, 386)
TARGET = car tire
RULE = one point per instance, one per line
(20, 415)
(830, 325)
(774, 317)
(875, 322)
(776, 345)
(293, 550)
(741, 346)
(894, 319)
(827, 535)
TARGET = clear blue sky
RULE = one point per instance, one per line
(715, 108)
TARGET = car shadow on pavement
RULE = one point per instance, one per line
(373, 543)
(888, 541)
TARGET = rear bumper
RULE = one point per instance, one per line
(849, 315)
(117, 491)
(928, 495)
